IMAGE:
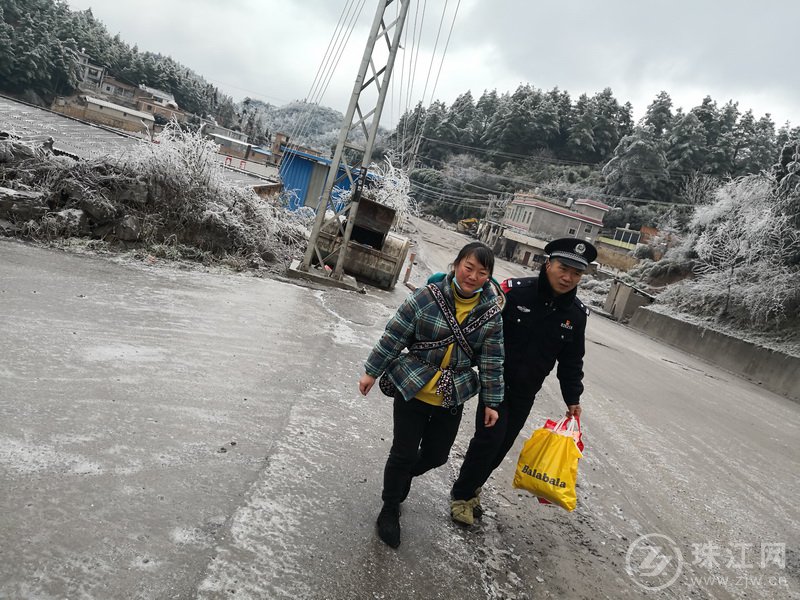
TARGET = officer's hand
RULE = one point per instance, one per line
(574, 410)
(490, 417)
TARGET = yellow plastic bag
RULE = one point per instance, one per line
(548, 467)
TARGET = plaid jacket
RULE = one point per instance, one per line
(419, 319)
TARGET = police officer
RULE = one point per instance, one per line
(543, 323)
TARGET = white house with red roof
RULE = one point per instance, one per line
(531, 221)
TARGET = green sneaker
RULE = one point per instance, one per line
(461, 511)
(477, 509)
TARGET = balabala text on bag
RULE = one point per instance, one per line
(556, 482)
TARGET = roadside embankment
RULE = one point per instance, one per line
(776, 371)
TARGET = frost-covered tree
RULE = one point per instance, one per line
(743, 246)
(787, 193)
(510, 130)
(756, 144)
(609, 119)
(562, 102)
(544, 126)
(485, 109)
(659, 115)
(632, 216)
(459, 121)
(580, 141)
(686, 145)
(394, 190)
(639, 167)
(723, 146)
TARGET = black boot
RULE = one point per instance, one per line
(389, 525)
(406, 490)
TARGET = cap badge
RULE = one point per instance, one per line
(580, 248)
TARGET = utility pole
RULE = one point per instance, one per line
(490, 207)
(356, 118)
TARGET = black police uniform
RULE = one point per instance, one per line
(539, 328)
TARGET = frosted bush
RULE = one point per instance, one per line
(199, 207)
(764, 300)
(742, 226)
(741, 244)
(393, 190)
(176, 193)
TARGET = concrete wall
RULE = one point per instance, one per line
(623, 300)
(589, 211)
(248, 165)
(109, 119)
(556, 225)
(779, 373)
(616, 259)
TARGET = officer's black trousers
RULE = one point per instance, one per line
(423, 436)
(490, 445)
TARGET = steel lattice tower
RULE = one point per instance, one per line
(380, 71)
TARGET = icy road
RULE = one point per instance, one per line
(169, 433)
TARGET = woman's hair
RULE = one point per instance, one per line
(482, 253)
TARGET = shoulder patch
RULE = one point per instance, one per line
(518, 283)
(582, 306)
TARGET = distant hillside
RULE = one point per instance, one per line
(42, 41)
(305, 123)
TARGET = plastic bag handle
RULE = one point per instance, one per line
(571, 424)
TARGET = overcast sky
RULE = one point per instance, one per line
(743, 50)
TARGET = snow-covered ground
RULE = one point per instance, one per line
(169, 433)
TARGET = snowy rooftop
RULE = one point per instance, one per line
(594, 203)
(125, 109)
(228, 139)
(158, 93)
(557, 209)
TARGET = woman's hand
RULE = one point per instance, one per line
(573, 410)
(490, 417)
(365, 384)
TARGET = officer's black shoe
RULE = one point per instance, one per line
(389, 525)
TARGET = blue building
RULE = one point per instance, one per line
(303, 177)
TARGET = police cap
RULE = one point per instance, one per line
(573, 252)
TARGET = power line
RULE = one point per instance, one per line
(454, 194)
(543, 159)
(428, 77)
(327, 68)
(535, 184)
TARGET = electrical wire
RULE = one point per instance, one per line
(541, 185)
(413, 55)
(436, 82)
(333, 64)
(331, 59)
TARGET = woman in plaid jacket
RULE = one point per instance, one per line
(435, 377)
